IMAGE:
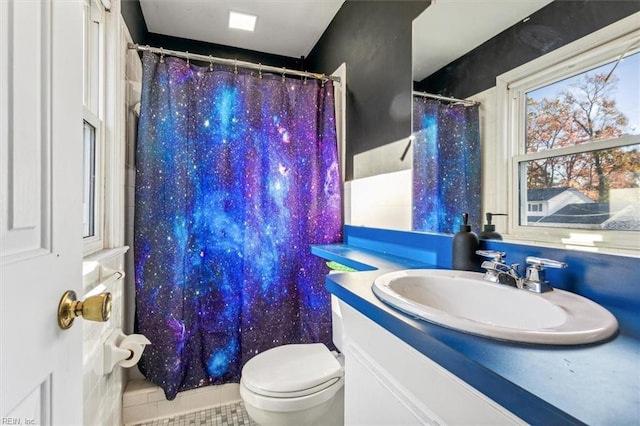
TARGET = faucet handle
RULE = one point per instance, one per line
(541, 262)
(497, 256)
(536, 279)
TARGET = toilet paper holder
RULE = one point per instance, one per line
(122, 349)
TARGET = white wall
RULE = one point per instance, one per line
(380, 194)
(381, 201)
(102, 393)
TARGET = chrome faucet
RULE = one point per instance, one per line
(497, 271)
(535, 280)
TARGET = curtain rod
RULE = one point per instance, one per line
(232, 62)
(444, 98)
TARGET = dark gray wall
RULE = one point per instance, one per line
(132, 14)
(553, 26)
(374, 39)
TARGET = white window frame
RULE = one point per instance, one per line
(107, 115)
(586, 53)
(94, 110)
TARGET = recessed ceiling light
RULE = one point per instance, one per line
(242, 21)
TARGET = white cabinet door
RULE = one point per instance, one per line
(388, 382)
(40, 210)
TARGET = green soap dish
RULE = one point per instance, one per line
(335, 266)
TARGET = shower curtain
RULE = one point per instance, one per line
(237, 175)
(446, 166)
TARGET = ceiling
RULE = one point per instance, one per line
(448, 29)
(445, 31)
(284, 27)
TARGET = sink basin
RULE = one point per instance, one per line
(464, 301)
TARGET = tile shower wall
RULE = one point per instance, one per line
(133, 79)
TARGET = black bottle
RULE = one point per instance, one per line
(465, 244)
(489, 232)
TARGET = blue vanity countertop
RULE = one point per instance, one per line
(595, 384)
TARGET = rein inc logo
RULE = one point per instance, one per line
(17, 421)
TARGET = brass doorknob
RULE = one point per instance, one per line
(94, 308)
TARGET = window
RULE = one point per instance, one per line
(566, 121)
(93, 128)
(89, 180)
(572, 133)
(533, 207)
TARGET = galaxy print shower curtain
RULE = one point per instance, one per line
(446, 166)
(237, 175)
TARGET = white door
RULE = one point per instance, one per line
(40, 210)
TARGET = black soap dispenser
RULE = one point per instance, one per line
(489, 232)
(465, 244)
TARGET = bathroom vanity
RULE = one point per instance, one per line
(402, 370)
(411, 388)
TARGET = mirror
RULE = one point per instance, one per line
(443, 32)
(447, 133)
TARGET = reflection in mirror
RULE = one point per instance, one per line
(448, 29)
(446, 141)
(446, 164)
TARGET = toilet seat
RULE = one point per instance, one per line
(283, 405)
(291, 377)
(292, 370)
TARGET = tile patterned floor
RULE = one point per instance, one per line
(233, 414)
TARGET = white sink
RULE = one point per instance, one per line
(464, 301)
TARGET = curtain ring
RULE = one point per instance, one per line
(324, 80)
(260, 71)
(210, 63)
(161, 55)
(235, 66)
(283, 70)
(187, 55)
(304, 80)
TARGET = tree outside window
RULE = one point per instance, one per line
(586, 162)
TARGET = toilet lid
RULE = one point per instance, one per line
(292, 370)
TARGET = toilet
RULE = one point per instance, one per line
(297, 384)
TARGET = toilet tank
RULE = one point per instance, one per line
(336, 326)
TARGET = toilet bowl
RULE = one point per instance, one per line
(297, 384)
